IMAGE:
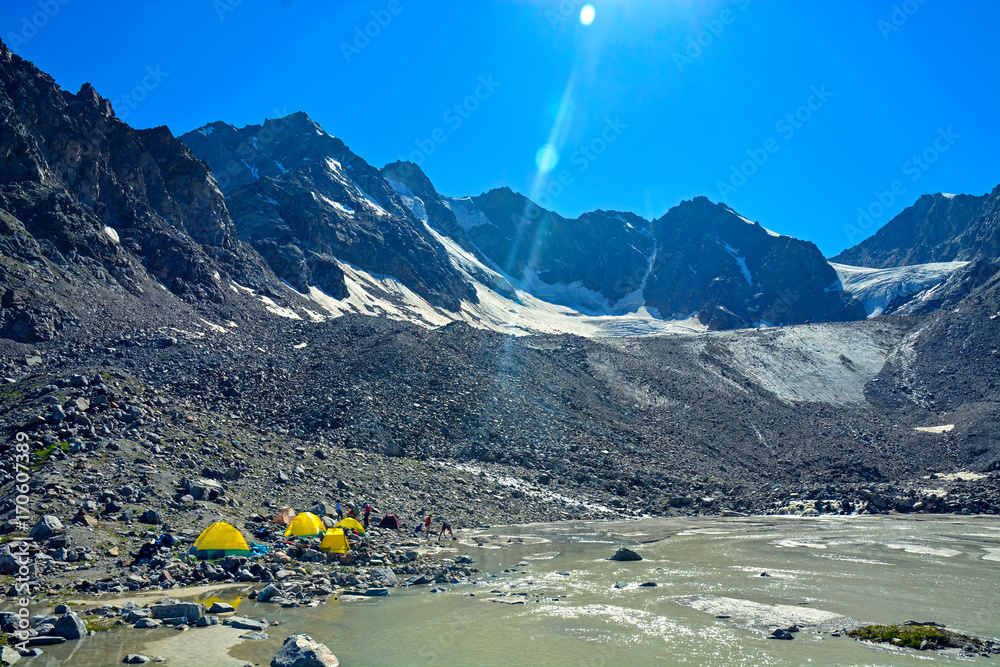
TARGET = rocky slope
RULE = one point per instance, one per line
(102, 222)
(936, 228)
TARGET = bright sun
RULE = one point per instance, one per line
(587, 14)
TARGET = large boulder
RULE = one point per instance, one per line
(302, 651)
(70, 626)
(190, 610)
(46, 528)
(624, 554)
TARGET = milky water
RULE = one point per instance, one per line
(877, 570)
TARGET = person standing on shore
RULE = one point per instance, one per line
(446, 526)
(340, 511)
(368, 511)
(427, 527)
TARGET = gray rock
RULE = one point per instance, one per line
(151, 516)
(302, 651)
(385, 576)
(189, 610)
(255, 635)
(206, 621)
(46, 640)
(58, 414)
(268, 592)
(148, 623)
(70, 626)
(621, 584)
(8, 656)
(220, 608)
(61, 608)
(8, 621)
(624, 554)
(781, 634)
(377, 592)
(135, 659)
(46, 528)
(243, 623)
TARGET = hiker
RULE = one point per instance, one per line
(146, 552)
(416, 531)
(368, 511)
(166, 541)
(427, 528)
(264, 533)
(446, 526)
(340, 511)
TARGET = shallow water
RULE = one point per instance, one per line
(877, 570)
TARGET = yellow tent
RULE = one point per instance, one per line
(351, 524)
(305, 524)
(335, 541)
(218, 540)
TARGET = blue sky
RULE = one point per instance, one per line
(795, 114)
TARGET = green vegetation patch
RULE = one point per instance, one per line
(919, 637)
(101, 624)
(42, 455)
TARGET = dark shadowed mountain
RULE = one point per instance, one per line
(95, 215)
(936, 228)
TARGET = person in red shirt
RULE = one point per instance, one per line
(427, 528)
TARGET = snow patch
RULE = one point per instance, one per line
(947, 195)
(112, 234)
(466, 212)
(935, 429)
(213, 327)
(207, 130)
(412, 202)
(337, 206)
(740, 260)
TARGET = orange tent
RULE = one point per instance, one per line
(284, 516)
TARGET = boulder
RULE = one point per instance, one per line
(243, 623)
(624, 554)
(46, 528)
(70, 626)
(189, 610)
(8, 656)
(302, 651)
(148, 623)
(268, 592)
(221, 608)
(135, 659)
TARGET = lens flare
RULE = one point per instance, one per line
(587, 14)
(546, 158)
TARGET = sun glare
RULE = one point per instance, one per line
(587, 14)
(546, 158)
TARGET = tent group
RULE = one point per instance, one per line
(221, 539)
(307, 524)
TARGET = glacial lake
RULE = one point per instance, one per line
(874, 569)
